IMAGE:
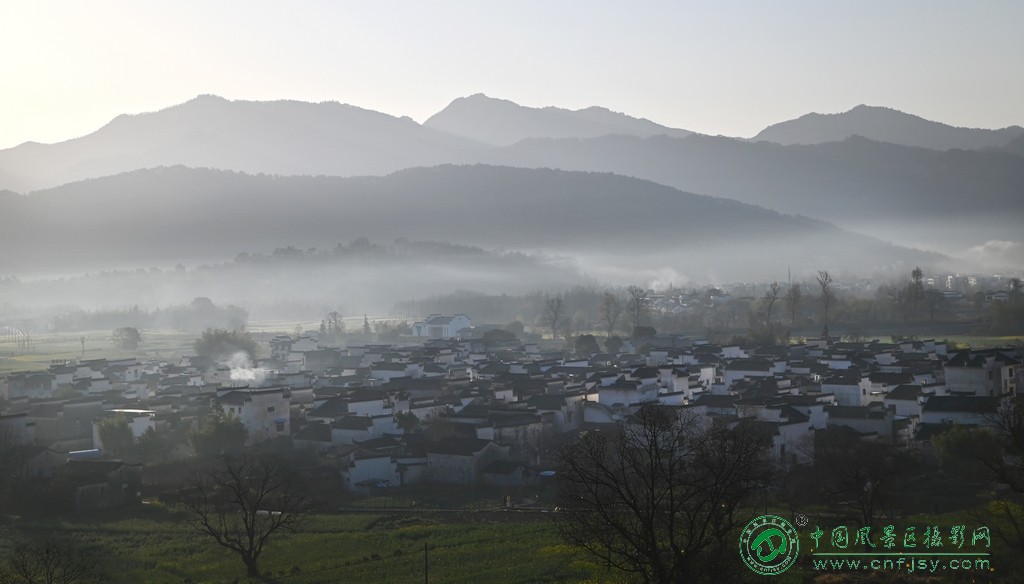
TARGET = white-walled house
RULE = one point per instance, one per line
(741, 368)
(351, 428)
(981, 373)
(791, 431)
(367, 469)
(437, 326)
(263, 412)
(846, 387)
(626, 393)
(907, 399)
(874, 419)
(455, 461)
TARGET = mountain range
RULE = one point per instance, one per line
(174, 214)
(884, 124)
(500, 122)
(872, 170)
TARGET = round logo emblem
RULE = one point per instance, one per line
(769, 545)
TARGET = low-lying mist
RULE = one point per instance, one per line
(295, 284)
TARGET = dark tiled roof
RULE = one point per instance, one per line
(314, 432)
(458, 446)
(960, 403)
(905, 392)
(353, 423)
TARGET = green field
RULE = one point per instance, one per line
(152, 544)
(48, 347)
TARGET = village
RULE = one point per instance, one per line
(463, 405)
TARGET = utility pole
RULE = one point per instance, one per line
(82, 339)
(426, 565)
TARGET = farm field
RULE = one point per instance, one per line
(152, 544)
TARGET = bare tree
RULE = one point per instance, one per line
(611, 309)
(637, 304)
(771, 296)
(865, 473)
(793, 300)
(1007, 462)
(900, 298)
(52, 561)
(244, 502)
(999, 449)
(762, 327)
(333, 324)
(658, 496)
(554, 309)
(828, 295)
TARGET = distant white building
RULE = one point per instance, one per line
(438, 326)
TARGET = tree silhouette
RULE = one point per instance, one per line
(637, 304)
(53, 560)
(611, 309)
(658, 496)
(220, 343)
(793, 300)
(244, 502)
(126, 337)
(828, 295)
(554, 308)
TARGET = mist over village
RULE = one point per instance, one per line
(538, 293)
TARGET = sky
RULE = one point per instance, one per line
(723, 67)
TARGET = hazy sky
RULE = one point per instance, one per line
(714, 67)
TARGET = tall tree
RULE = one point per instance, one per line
(218, 434)
(638, 298)
(658, 496)
(916, 288)
(333, 323)
(611, 309)
(900, 297)
(771, 296)
(116, 436)
(244, 502)
(828, 294)
(220, 343)
(793, 300)
(554, 310)
(153, 447)
(586, 345)
(866, 473)
(126, 337)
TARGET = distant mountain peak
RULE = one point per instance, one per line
(884, 124)
(501, 122)
(278, 137)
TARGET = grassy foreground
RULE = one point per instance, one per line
(153, 545)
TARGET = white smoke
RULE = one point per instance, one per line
(665, 278)
(242, 370)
